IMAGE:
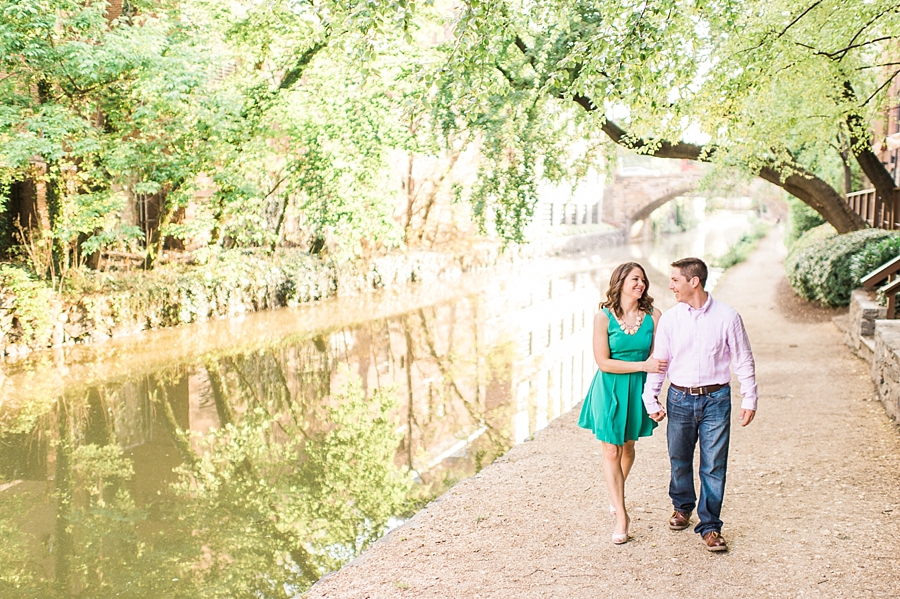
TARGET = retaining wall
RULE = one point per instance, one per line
(169, 298)
(877, 341)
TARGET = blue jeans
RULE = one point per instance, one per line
(706, 418)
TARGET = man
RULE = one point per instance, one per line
(700, 337)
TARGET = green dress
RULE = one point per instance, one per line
(613, 408)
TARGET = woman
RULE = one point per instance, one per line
(613, 410)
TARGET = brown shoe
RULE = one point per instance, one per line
(714, 541)
(679, 520)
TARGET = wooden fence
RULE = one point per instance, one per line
(878, 213)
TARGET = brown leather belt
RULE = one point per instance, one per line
(699, 390)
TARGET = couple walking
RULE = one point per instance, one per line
(694, 343)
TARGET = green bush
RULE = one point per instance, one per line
(813, 236)
(801, 218)
(25, 307)
(873, 256)
(819, 265)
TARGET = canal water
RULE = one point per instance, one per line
(246, 458)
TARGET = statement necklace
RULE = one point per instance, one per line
(633, 328)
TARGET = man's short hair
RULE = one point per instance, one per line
(693, 267)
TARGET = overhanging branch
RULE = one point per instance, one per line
(790, 176)
(659, 149)
(292, 76)
(800, 183)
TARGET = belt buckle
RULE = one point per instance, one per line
(697, 390)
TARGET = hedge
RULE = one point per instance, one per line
(874, 256)
(819, 265)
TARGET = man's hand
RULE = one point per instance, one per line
(658, 416)
(746, 417)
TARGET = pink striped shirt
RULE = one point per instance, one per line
(700, 344)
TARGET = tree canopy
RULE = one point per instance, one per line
(139, 126)
(784, 90)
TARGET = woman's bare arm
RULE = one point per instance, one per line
(602, 353)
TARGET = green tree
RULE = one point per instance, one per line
(780, 90)
(123, 124)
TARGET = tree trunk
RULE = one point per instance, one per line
(63, 479)
(873, 168)
(164, 216)
(279, 223)
(410, 185)
(861, 147)
(113, 10)
(220, 394)
(29, 203)
(160, 396)
(432, 196)
(847, 173)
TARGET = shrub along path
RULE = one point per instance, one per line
(812, 506)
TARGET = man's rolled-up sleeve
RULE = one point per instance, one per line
(661, 351)
(742, 363)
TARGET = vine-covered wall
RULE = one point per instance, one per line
(33, 316)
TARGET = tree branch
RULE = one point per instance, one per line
(869, 24)
(881, 87)
(660, 149)
(800, 183)
(507, 75)
(292, 76)
(878, 66)
(523, 48)
(843, 51)
(800, 16)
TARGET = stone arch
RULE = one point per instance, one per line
(633, 196)
(645, 211)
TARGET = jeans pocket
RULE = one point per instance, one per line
(723, 394)
(675, 396)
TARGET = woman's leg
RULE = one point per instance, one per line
(615, 483)
(627, 458)
(627, 462)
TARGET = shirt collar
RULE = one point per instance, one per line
(702, 309)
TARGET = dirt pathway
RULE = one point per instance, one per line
(812, 506)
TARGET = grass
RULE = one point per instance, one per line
(741, 249)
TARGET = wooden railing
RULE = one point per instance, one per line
(885, 274)
(879, 214)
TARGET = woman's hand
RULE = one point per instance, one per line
(654, 365)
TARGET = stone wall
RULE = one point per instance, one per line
(864, 311)
(877, 341)
(886, 365)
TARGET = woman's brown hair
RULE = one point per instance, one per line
(614, 293)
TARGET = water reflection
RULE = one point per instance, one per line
(249, 458)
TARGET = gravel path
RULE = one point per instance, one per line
(812, 506)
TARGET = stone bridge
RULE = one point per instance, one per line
(633, 196)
